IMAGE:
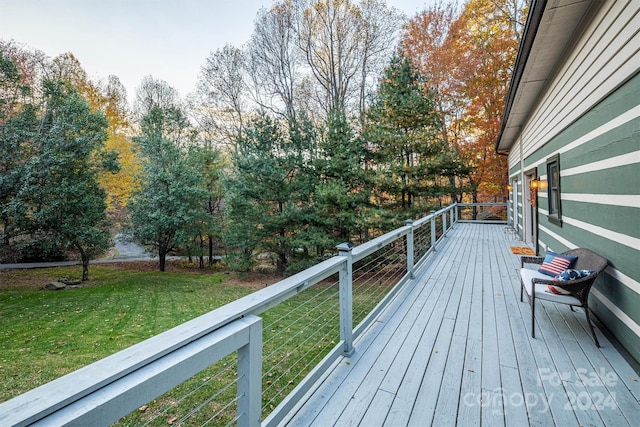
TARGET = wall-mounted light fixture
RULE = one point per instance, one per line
(542, 184)
(539, 184)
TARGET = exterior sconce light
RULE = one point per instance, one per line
(542, 184)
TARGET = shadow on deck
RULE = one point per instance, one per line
(454, 347)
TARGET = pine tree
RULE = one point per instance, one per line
(341, 193)
(267, 192)
(405, 133)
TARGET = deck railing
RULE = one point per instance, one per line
(105, 391)
(486, 213)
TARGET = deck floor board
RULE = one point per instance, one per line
(455, 347)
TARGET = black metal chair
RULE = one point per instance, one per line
(535, 284)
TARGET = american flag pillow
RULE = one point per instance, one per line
(555, 264)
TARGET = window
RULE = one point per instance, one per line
(553, 190)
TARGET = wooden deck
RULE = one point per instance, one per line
(454, 348)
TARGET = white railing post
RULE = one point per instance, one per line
(346, 298)
(444, 224)
(451, 212)
(250, 378)
(455, 208)
(410, 266)
(433, 230)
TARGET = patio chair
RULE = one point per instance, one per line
(536, 284)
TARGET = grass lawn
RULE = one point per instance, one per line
(46, 334)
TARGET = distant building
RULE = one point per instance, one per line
(571, 128)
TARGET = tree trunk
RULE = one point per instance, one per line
(452, 183)
(475, 208)
(201, 254)
(162, 256)
(85, 268)
(281, 265)
(84, 256)
(210, 237)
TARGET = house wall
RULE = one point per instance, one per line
(605, 56)
(590, 116)
(515, 196)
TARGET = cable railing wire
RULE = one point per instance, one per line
(310, 363)
(329, 293)
(372, 279)
(225, 369)
(377, 273)
(207, 401)
(221, 411)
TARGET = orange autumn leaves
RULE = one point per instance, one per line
(467, 55)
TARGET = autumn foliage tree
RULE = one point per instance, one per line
(121, 185)
(109, 98)
(468, 56)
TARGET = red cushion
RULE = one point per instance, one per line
(557, 290)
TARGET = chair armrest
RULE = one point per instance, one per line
(530, 260)
(549, 281)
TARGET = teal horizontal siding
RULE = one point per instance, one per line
(621, 257)
(617, 327)
(621, 219)
(617, 142)
(624, 99)
(620, 295)
(620, 180)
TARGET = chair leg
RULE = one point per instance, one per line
(533, 315)
(571, 307)
(521, 289)
(586, 311)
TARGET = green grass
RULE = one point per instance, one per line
(46, 334)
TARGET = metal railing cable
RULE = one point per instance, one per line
(421, 241)
(206, 402)
(374, 276)
(290, 334)
(301, 327)
(305, 343)
(208, 381)
(300, 364)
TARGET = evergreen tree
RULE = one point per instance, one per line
(341, 193)
(167, 209)
(60, 198)
(210, 234)
(405, 133)
(267, 191)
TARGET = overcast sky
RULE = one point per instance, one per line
(168, 39)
